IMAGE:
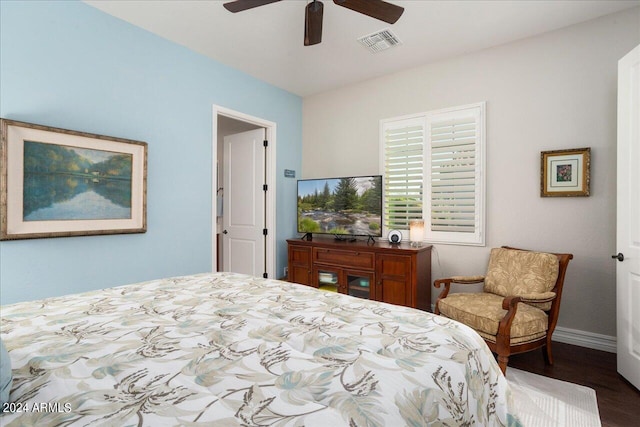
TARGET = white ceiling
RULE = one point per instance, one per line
(267, 42)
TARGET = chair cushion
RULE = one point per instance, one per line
(483, 312)
(512, 272)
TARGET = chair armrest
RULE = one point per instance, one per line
(465, 280)
(511, 303)
(503, 340)
(538, 298)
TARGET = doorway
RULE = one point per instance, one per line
(257, 258)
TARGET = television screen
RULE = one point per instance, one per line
(341, 206)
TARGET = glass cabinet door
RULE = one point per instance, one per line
(359, 284)
(327, 279)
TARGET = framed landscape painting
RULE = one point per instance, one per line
(57, 182)
(565, 172)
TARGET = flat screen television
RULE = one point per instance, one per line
(347, 206)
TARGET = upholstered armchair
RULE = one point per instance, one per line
(518, 308)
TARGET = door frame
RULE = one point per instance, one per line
(270, 170)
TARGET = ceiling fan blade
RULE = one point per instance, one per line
(240, 5)
(377, 9)
(313, 23)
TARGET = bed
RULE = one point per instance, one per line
(228, 349)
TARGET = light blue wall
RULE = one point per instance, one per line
(68, 65)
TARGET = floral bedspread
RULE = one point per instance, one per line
(227, 349)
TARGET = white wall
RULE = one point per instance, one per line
(554, 91)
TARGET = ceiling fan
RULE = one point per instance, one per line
(377, 9)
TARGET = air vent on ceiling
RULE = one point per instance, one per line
(378, 41)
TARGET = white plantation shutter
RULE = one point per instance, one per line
(403, 172)
(434, 170)
(455, 205)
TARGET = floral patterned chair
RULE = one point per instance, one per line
(518, 308)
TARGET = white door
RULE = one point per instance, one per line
(244, 205)
(628, 217)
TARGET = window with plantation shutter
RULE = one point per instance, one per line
(455, 149)
(434, 170)
(403, 172)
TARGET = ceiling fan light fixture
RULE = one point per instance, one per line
(380, 40)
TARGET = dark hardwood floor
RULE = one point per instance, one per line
(618, 401)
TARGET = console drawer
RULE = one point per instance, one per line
(353, 259)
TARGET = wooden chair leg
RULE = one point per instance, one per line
(546, 352)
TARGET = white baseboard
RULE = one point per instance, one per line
(585, 339)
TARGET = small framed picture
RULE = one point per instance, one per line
(57, 183)
(565, 173)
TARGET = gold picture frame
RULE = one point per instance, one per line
(59, 183)
(565, 173)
